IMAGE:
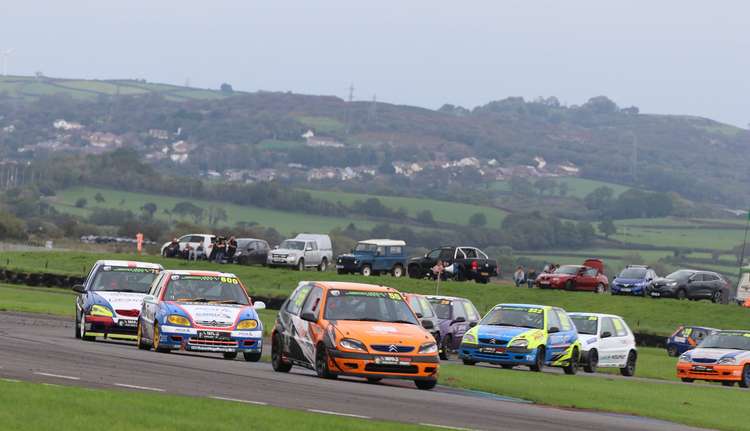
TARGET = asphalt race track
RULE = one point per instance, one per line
(43, 349)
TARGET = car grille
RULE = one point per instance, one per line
(493, 341)
(346, 259)
(391, 348)
(129, 313)
(704, 360)
(389, 368)
(202, 342)
(214, 324)
(279, 256)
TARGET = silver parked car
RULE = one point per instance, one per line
(303, 251)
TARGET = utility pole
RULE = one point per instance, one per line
(373, 114)
(349, 108)
(634, 167)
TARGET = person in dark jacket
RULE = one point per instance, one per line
(231, 248)
(531, 277)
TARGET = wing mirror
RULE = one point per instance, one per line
(472, 324)
(427, 324)
(419, 315)
(276, 247)
(149, 298)
(308, 316)
(459, 319)
(553, 330)
(78, 288)
(308, 248)
(259, 305)
(606, 334)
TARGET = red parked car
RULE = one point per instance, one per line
(587, 277)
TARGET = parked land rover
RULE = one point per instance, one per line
(374, 257)
(303, 251)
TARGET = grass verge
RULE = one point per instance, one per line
(71, 408)
(697, 405)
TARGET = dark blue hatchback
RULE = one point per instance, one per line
(633, 280)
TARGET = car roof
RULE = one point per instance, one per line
(580, 313)
(250, 239)
(200, 272)
(384, 242)
(346, 285)
(546, 307)
(129, 264)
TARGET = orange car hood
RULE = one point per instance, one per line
(383, 332)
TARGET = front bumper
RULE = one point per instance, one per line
(412, 367)
(549, 284)
(501, 355)
(118, 328)
(709, 372)
(348, 266)
(625, 290)
(183, 338)
(661, 292)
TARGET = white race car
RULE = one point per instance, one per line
(607, 342)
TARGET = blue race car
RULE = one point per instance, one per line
(633, 280)
(109, 300)
(687, 338)
(202, 311)
(523, 334)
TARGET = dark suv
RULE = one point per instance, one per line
(690, 284)
(456, 316)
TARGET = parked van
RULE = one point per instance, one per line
(743, 286)
(306, 250)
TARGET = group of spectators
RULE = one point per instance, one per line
(223, 250)
(522, 276)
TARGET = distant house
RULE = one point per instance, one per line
(65, 125)
(103, 140)
(320, 141)
(158, 134)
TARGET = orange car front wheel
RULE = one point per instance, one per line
(322, 361)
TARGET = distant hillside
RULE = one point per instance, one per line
(451, 152)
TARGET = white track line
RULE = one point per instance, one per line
(58, 376)
(349, 415)
(447, 427)
(143, 388)
(258, 403)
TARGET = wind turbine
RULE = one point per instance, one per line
(6, 54)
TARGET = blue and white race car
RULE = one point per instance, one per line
(202, 311)
(109, 301)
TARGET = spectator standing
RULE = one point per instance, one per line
(531, 277)
(231, 248)
(220, 249)
(519, 276)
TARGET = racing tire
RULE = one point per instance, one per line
(398, 271)
(425, 385)
(469, 362)
(277, 360)
(681, 294)
(78, 327)
(507, 366)
(716, 297)
(301, 265)
(156, 339)
(538, 364)
(229, 355)
(366, 270)
(142, 344)
(686, 380)
(374, 380)
(82, 332)
(323, 265)
(629, 369)
(569, 285)
(592, 363)
(251, 356)
(727, 384)
(445, 350)
(672, 351)
(600, 289)
(572, 367)
(321, 363)
(745, 380)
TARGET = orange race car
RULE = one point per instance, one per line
(353, 329)
(723, 356)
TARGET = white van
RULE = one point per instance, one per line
(306, 250)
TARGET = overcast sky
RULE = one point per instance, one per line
(665, 56)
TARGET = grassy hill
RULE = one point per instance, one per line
(31, 88)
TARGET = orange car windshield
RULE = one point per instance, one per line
(368, 306)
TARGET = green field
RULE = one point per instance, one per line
(714, 239)
(285, 222)
(31, 88)
(645, 315)
(442, 211)
(697, 405)
(71, 408)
